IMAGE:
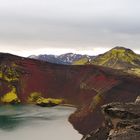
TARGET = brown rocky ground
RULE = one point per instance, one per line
(122, 122)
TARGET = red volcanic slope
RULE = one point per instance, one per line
(76, 84)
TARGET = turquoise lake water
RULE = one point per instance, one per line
(36, 123)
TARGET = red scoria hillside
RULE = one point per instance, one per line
(87, 87)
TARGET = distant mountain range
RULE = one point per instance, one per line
(116, 58)
(66, 59)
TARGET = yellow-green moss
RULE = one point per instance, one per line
(81, 61)
(9, 73)
(36, 98)
(0, 74)
(14, 65)
(134, 71)
(33, 97)
(96, 101)
(49, 100)
(10, 97)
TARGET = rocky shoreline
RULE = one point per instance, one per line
(121, 122)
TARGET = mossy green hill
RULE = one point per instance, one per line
(118, 58)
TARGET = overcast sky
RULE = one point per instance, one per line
(58, 26)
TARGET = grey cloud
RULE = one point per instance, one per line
(66, 23)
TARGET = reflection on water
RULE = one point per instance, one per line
(8, 122)
(33, 122)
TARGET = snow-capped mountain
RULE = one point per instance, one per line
(70, 57)
(67, 59)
